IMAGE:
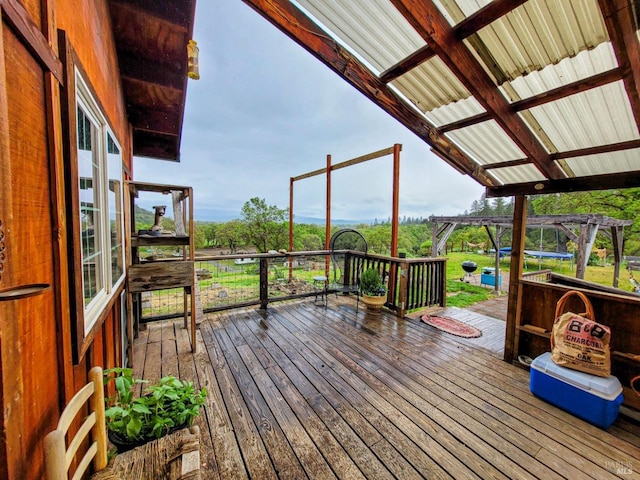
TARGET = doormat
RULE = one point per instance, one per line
(452, 326)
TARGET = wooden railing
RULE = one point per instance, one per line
(241, 280)
(412, 282)
(538, 276)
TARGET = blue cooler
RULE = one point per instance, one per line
(594, 399)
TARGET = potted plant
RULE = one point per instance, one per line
(164, 407)
(374, 293)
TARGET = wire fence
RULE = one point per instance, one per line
(229, 281)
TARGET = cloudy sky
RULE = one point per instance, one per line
(265, 110)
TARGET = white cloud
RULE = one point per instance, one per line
(265, 110)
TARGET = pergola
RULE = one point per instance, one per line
(586, 225)
(525, 97)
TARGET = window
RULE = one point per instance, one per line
(99, 167)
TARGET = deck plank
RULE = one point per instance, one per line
(304, 391)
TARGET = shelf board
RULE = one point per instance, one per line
(634, 358)
(533, 330)
(159, 276)
(148, 240)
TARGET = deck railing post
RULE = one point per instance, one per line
(443, 283)
(403, 267)
(264, 282)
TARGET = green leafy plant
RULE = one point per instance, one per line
(371, 283)
(168, 404)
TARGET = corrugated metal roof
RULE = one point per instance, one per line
(431, 85)
(614, 162)
(530, 53)
(486, 143)
(597, 117)
(373, 29)
(541, 33)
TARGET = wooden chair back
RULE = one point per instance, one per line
(59, 455)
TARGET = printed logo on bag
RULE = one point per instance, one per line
(578, 342)
(587, 333)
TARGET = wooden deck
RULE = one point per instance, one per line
(303, 391)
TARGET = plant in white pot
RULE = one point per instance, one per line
(374, 293)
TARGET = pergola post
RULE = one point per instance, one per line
(327, 232)
(616, 239)
(396, 200)
(586, 240)
(291, 180)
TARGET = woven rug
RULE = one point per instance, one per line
(452, 326)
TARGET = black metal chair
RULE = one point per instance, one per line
(345, 278)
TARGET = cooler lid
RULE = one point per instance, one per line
(605, 387)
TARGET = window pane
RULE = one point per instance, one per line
(114, 167)
(90, 228)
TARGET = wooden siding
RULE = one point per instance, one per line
(29, 341)
(81, 20)
(304, 391)
(37, 373)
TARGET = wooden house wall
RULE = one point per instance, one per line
(37, 372)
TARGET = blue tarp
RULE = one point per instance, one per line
(539, 254)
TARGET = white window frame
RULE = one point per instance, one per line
(101, 220)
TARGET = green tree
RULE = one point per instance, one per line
(311, 242)
(231, 234)
(209, 230)
(265, 227)
(199, 240)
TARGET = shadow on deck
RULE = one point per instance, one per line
(304, 391)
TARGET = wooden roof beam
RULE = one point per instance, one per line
(575, 184)
(583, 152)
(170, 10)
(146, 119)
(462, 30)
(426, 18)
(621, 25)
(149, 71)
(296, 25)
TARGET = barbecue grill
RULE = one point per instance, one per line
(469, 267)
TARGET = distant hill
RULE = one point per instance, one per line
(144, 217)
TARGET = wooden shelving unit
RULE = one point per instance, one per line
(145, 275)
(536, 314)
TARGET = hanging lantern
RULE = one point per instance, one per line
(193, 70)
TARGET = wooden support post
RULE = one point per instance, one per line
(586, 240)
(404, 284)
(291, 180)
(327, 234)
(264, 283)
(616, 238)
(395, 210)
(517, 264)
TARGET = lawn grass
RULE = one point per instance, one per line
(469, 294)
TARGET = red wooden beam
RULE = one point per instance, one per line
(426, 18)
(619, 19)
(464, 29)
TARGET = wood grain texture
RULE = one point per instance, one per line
(364, 397)
(28, 326)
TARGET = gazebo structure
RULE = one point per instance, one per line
(581, 229)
